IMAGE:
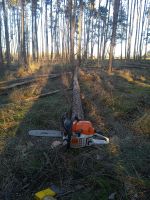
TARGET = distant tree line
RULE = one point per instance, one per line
(69, 29)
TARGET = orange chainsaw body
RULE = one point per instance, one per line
(83, 127)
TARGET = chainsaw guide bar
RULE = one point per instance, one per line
(46, 133)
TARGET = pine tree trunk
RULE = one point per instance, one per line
(62, 43)
(77, 109)
(142, 31)
(131, 25)
(92, 46)
(88, 35)
(72, 31)
(98, 36)
(51, 17)
(46, 30)
(33, 30)
(23, 48)
(55, 34)
(6, 33)
(1, 52)
(145, 54)
(85, 28)
(18, 33)
(137, 32)
(113, 37)
(42, 39)
(106, 31)
(126, 41)
(80, 32)
(36, 32)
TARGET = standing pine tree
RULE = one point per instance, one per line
(114, 27)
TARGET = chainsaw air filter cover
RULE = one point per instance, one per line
(83, 127)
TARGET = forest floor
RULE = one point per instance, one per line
(118, 104)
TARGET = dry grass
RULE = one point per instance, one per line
(142, 124)
(142, 78)
(22, 72)
(118, 109)
(20, 94)
(126, 74)
(134, 77)
(30, 164)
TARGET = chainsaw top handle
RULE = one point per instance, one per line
(67, 122)
(67, 125)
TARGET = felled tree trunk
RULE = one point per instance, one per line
(76, 101)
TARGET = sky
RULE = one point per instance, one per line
(118, 45)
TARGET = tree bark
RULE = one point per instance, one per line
(106, 31)
(137, 30)
(36, 32)
(146, 43)
(1, 52)
(113, 37)
(142, 31)
(80, 32)
(33, 31)
(23, 48)
(18, 34)
(46, 30)
(126, 43)
(42, 39)
(77, 109)
(92, 23)
(132, 16)
(51, 17)
(6, 33)
(72, 30)
(88, 35)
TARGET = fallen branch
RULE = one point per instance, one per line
(29, 78)
(43, 95)
(36, 97)
(134, 66)
(138, 64)
(25, 79)
(26, 82)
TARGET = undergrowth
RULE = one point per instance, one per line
(119, 109)
(118, 171)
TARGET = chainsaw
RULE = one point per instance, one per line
(76, 133)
